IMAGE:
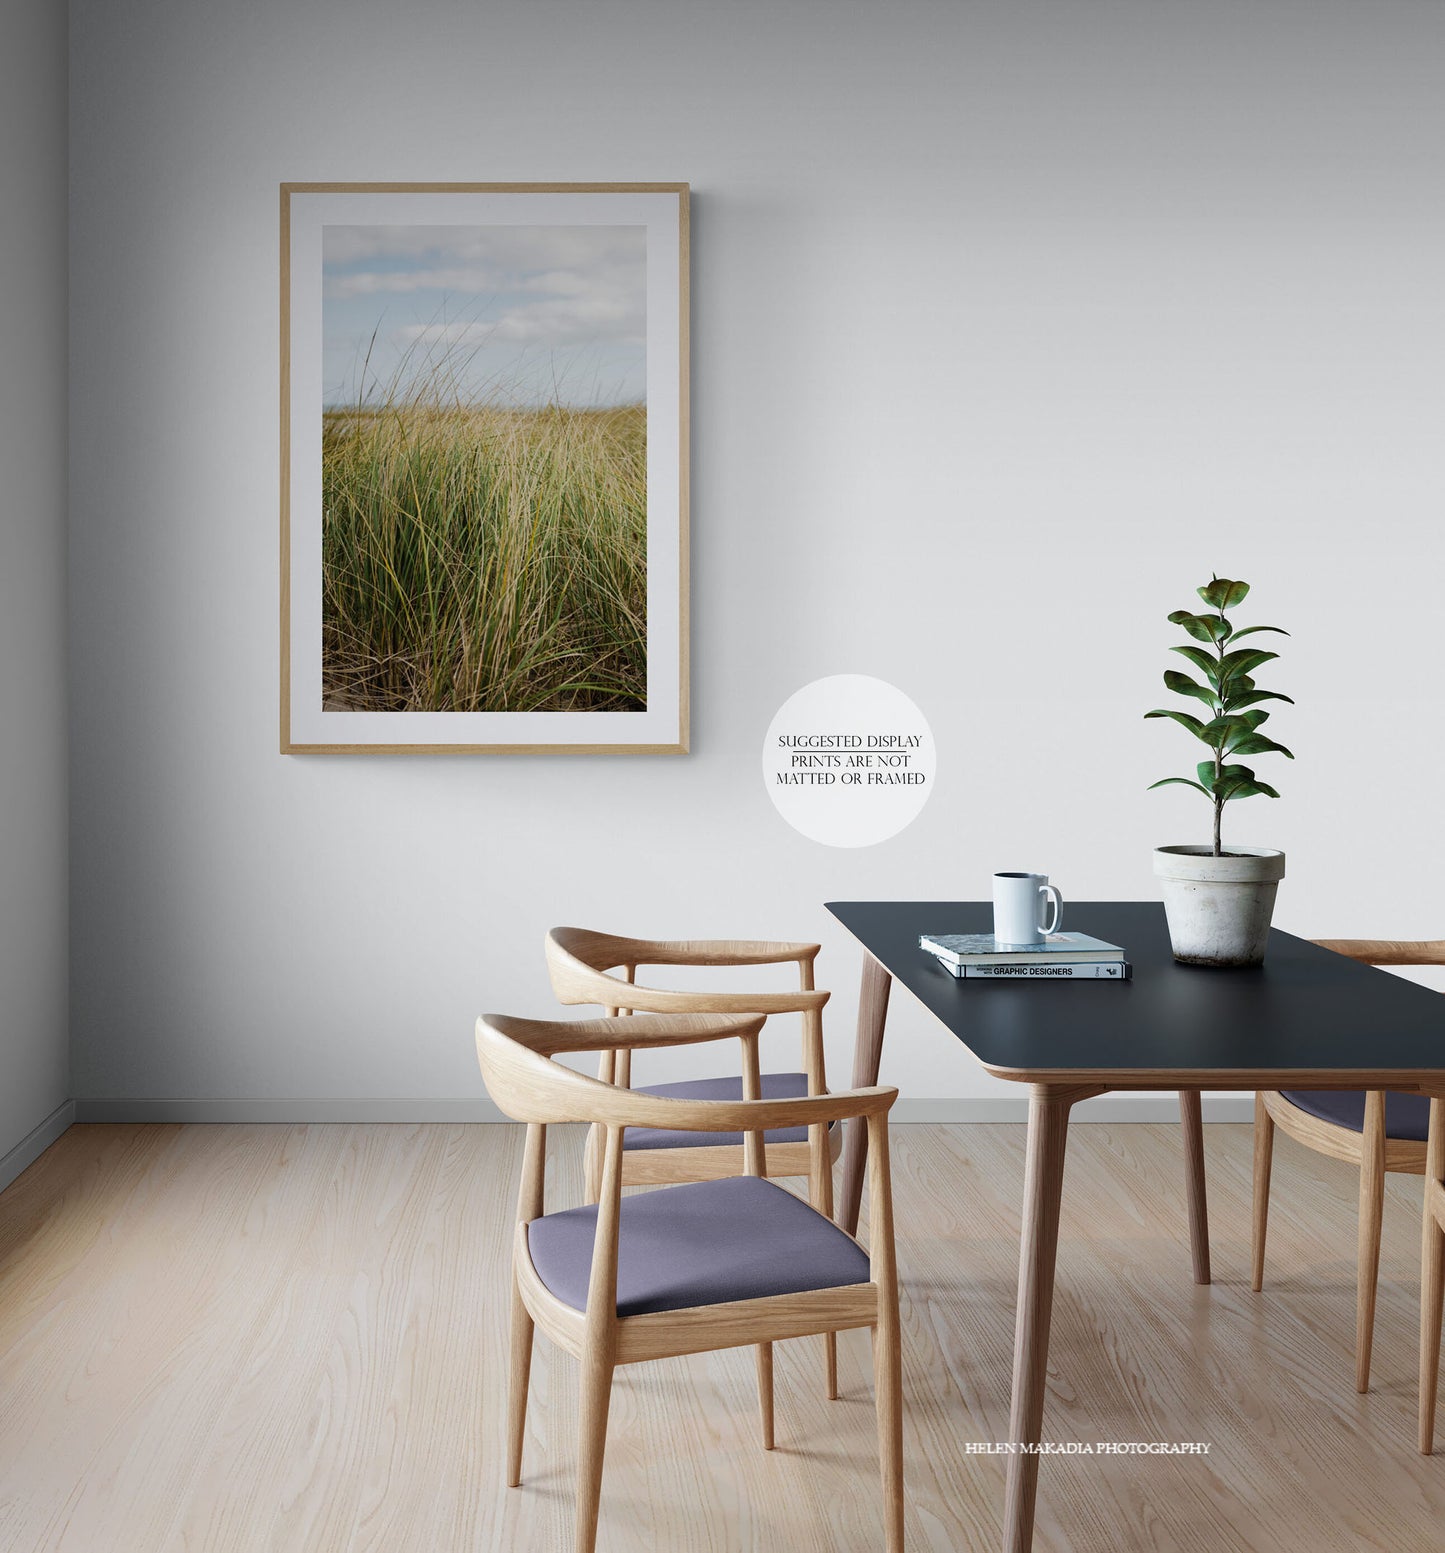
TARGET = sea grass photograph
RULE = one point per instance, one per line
(484, 468)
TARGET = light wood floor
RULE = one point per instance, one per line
(292, 1338)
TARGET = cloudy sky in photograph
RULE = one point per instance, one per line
(511, 315)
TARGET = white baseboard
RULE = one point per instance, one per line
(35, 1142)
(286, 1112)
(1002, 1108)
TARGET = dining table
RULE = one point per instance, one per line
(1306, 1018)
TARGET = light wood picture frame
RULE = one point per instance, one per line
(484, 468)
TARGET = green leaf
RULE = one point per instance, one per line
(1234, 722)
(1182, 781)
(1224, 594)
(1182, 685)
(1242, 789)
(1256, 744)
(1238, 698)
(1227, 774)
(1244, 662)
(1203, 628)
(1250, 630)
(1221, 728)
(1184, 719)
(1208, 666)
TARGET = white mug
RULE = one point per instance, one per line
(1018, 902)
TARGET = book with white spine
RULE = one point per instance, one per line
(1062, 970)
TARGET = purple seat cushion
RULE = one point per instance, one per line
(776, 1086)
(1406, 1116)
(704, 1244)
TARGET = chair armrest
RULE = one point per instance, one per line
(1387, 951)
(593, 1035)
(517, 1065)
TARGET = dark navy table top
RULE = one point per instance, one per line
(1305, 1014)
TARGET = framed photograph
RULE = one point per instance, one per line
(484, 468)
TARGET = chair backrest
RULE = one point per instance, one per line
(607, 951)
(1388, 951)
(579, 961)
(516, 1062)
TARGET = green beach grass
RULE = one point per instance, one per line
(484, 559)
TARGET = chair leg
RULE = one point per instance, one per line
(1263, 1157)
(592, 1443)
(1432, 1277)
(1372, 1210)
(1432, 1311)
(592, 1165)
(820, 1194)
(764, 1354)
(830, 1365)
(521, 1367)
(888, 1399)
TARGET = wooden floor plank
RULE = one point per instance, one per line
(293, 1339)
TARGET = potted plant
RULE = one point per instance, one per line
(1219, 901)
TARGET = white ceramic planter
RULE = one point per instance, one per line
(1218, 907)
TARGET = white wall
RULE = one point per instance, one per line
(998, 309)
(34, 1038)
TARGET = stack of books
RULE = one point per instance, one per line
(1060, 957)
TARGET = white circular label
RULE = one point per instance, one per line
(849, 760)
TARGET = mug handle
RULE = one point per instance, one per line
(1051, 893)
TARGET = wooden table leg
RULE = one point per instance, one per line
(1043, 1183)
(1191, 1122)
(1432, 1273)
(867, 1050)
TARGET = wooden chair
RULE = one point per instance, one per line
(579, 962)
(714, 1264)
(1375, 1131)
